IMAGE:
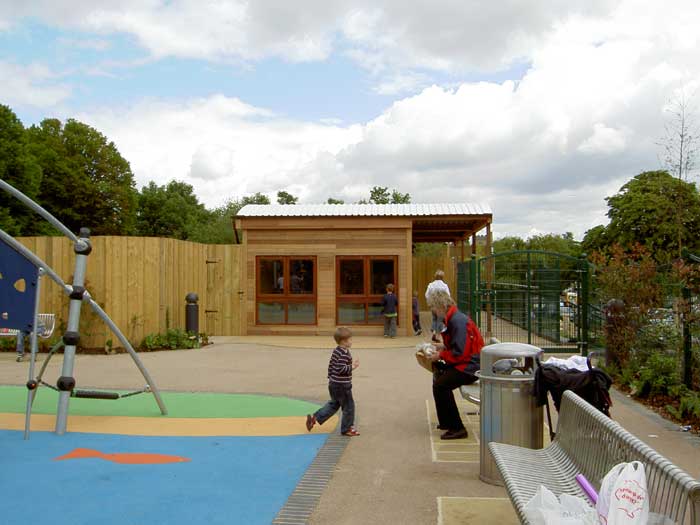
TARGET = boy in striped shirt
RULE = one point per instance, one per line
(340, 369)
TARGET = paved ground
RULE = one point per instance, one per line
(389, 473)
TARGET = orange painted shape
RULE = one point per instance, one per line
(126, 458)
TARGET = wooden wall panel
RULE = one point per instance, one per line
(141, 283)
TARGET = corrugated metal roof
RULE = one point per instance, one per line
(362, 210)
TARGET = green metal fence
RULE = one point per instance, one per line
(534, 297)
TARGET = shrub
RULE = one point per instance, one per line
(172, 339)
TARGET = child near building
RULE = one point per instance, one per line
(417, 330)
(389, 304)
(340, 369)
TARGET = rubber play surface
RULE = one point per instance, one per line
(216, 458)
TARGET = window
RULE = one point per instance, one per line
(286, 290)
(361, 283)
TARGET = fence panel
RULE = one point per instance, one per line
(141, 283)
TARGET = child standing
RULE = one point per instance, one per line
(417, 330)
(340, 369)
(389, 304)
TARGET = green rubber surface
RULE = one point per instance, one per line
(13, 399)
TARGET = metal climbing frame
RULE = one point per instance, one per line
(78, 295)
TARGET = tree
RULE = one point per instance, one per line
(19, 169)
(680, 141)
(381, 195)
(331, 200)
(595, 239)
(257, 198)
(86, 181)
(286, 198)
(644, 211)
(558, 243)
(680, 144)
(172, 210)
(218, 229)
(508, 244)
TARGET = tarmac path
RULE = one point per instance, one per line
(388, 474)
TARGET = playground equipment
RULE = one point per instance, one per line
(20, 278)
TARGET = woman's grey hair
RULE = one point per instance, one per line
(440, 299)
(440, 275)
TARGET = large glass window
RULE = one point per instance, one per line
(286, 290)
(361, 283)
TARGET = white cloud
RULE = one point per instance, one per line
(544, 151)
(223, 147)
(33, 85)
(445, 35)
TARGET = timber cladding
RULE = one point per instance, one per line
(141, 283)
(325, 239)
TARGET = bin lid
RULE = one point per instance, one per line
(492, 354)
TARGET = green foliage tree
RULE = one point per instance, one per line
(550, 242)
(19, 169)
(381, 195)
(286, 198)
(595, 239)
(218, 229)
(172, 210)
(86, 181)
(331, 200)
(645, 211)
(256, 198)
(508, 244)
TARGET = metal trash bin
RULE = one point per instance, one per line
(509, 413)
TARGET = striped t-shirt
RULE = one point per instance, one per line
(340, 366)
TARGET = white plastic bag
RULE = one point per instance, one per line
(623, 497)
(545, 509)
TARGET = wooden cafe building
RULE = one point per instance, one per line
(310, 268)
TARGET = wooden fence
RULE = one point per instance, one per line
(141, 283)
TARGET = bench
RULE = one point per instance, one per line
(590, 443)
(45, 326)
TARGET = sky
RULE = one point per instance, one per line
(539, 109)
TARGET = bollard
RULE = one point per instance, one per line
(192, 313)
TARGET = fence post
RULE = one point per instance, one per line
(687, 341)
(583, 305)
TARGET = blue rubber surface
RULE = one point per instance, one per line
(228, 480)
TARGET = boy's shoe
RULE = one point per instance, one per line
(455, 434)
(310, 422)
(419, 331)
(20, 358)
(352, 432)
(386, 335)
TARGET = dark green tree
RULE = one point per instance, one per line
(595, 239)
(19, 169)
(286, 198)
(381, 195)
(558, 243)
(218, 229)
(172, 210)
(645, 211)
(331, 200)
(508, 244)
(86, 181)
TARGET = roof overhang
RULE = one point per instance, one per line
(448, 229)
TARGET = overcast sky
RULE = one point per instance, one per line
(538, 108)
